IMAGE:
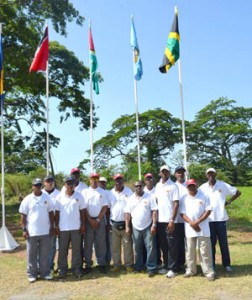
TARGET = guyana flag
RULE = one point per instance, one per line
(171, 54)
(93, 63)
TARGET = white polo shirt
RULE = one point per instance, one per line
(166, 193)
(194, 208)
(152, 191)
(37, 211)
(53, 196)
(95, 200)
(118, 203)
(69, 210)
(182, 191)
(141, 210)
(217, 195)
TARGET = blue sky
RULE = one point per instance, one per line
(215, 53)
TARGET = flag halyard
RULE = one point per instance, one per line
(41, 56)
(172, 52)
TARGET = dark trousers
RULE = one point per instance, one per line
(218, 231)
(169, 246)
(181, 244)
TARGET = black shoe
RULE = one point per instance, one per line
(87, 271)
(151, 273)
(102, 269)
(78, 275)
(62, 275)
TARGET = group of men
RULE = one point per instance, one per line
(158, 227)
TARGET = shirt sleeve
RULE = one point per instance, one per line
(23, 209)
(153, 203)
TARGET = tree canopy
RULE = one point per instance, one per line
(25, 93)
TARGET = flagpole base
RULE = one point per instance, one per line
(7, 242)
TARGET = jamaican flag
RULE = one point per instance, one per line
(171, 54)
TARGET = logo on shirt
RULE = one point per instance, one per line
(77, 200)
(220, 191)
(200, 202)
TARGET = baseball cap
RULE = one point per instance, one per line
(37, 181)
(211, 170)
(102, 179)
(191, 182)
(94, 175)
(118, 175)
(180, 168)
(164, 167)
(68, 179)
(49, 178)
(148, 175)
(73, 170)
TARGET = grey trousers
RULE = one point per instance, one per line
(38, 249)
(96, 238)
(65, 238)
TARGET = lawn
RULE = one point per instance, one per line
(14, 284)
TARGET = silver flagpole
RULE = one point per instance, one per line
(91, 113)
(7, 242)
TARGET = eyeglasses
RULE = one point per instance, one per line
(148, 178)
(138, 186)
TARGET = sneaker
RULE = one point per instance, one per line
(115, 269)
(32, 279)
(228, 269)
(188, 274)
(48, 277)
(102, 269)
(210, 277)
(129, 269)
(162, 271)
(151, 273)
(171, 274)
(87, 270)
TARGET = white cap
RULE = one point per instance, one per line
(102, 179)
(211, 170)
(164, 167)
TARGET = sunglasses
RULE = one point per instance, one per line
(138, 185)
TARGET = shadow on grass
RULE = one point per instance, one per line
(237, 271)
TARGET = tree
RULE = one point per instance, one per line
(24, 92)
(159, 131)
(220, 136)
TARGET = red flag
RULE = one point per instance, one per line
(40, 59)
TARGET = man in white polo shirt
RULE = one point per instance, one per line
(141, 210)
(119, 238)
(37, 219)
(167, 195)
(195, 209)
(217, 191)
(70, 224)
(96, 201)
(50, 189)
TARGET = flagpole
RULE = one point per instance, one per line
(7, 242)
(47, 119)
(137, 128)
(182, 107)
(91, 114)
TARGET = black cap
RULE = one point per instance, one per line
(49, 178)
(68, 179)
(180, 168)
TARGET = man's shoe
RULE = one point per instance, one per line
(87, 270)
(78, 275)
(102, 269)
(171, 274)
(188, 274)
(210, 277)
(162, 271)
(228, 269)
(62, 275)
(48, 277)
(32, 279)
(151, 273)
(115, 269)
(129, 269)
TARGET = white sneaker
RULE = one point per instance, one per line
(31, 279)
(228, 269)
(171, 274)
(48, 277)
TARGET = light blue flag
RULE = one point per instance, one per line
(138, 68)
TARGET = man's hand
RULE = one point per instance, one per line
(25, 234)
(82, 229)
(171, 227)
(127, 230)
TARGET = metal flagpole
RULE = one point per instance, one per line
(137, 128)
(91, 114)
(182, 109)
(47, 119)
(7, 242)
